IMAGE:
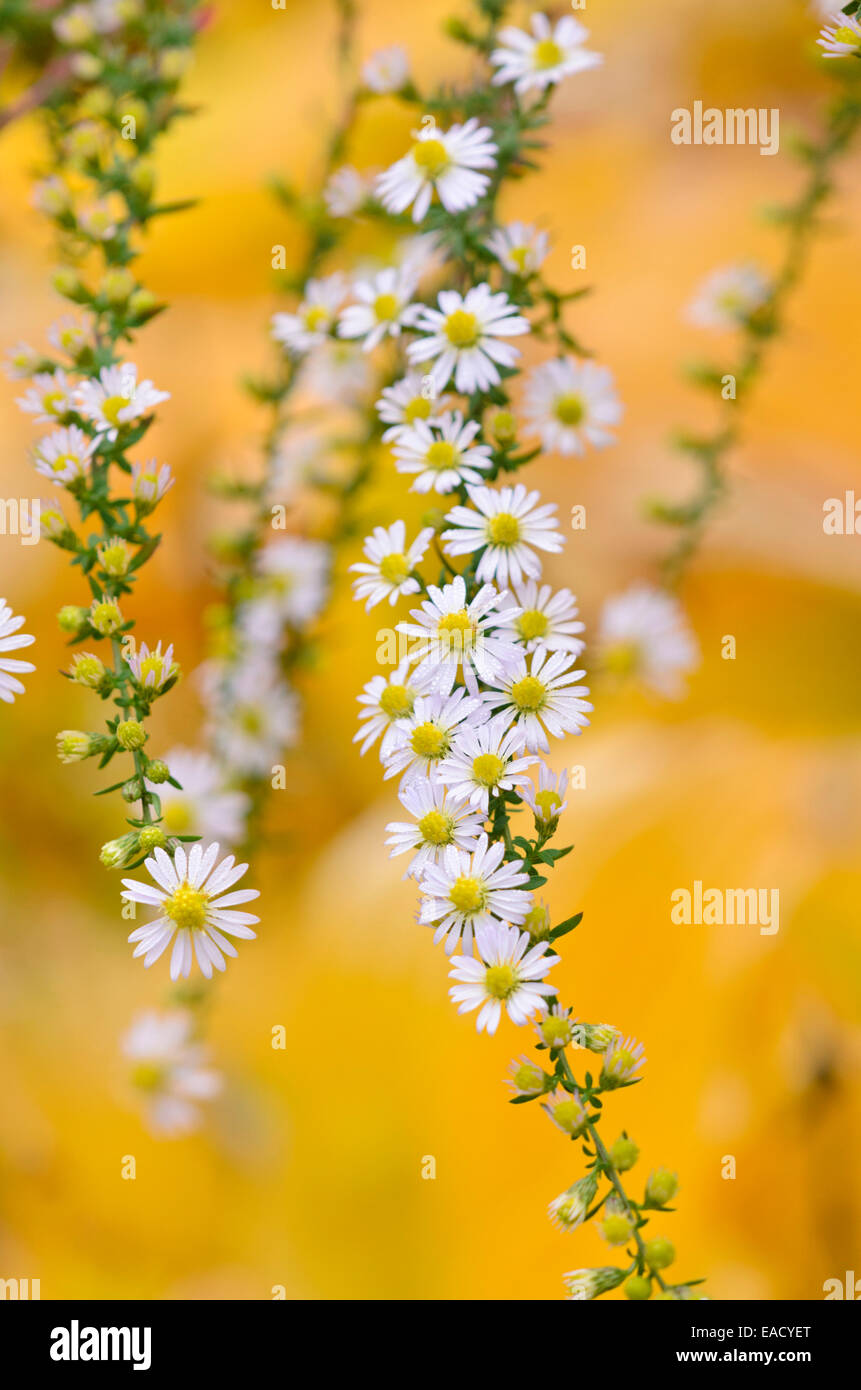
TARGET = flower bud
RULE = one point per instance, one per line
(618, 1223)
(503, 427)
(568, 1210)
(116, 285)
(525, 1077)
(69, 284)
(638, 1288)
(586, 1284)
(554, 1026)
(537, 922)
(73, 745)
(157, 771)
(132, 790)
(142, 177)
(114, 556)
(116, 853)
(662, 1186)
(624, 1154)
(73, 619)
(659, 1253)
(151, 837)
(131, 734)
(436, 519)
(105, 616)
(87, 670)
(142, 303)
(569, 1114)
(173, 62)
(598, 1036)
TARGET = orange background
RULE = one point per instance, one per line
(308, 1171)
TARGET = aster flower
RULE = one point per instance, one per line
(202, 805)
(554, 1026)
(541, 695)
(315, 318)
(49, 399)
(388, 573)
(547, 801)
(345, 192)
(194, 907)
(571, 404)
(584, 1285)
(525, 1077)
(170, 1069)
(150, 481)
(622, 1060)
(387, 70)
(441, 818)
(10, 667)
(422, 739)
(452, 635)
(728, 297)
(540, 59)
(401, 405)
(617, 1222)
(841, 39)
(507, 525)
(467, 892)
(547, 619)
(295, 573)
(506, 972)
(519, 248)
(643, 634)
(69, 335)
(442, 454)
(152, 669)
(385, 307)
(568, 1210)
(116, 398)
(64, 456)
(567, 1112)
(464, 338)
(487, 760)
(445, 162)
(385, 700)
(21, 362)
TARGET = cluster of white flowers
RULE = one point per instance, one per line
(170, 1069)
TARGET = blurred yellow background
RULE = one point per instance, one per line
(308, 1172)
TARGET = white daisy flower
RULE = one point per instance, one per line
(423, 738)
(547, 801)
(204, 806)
(255, 716)
(190, 898)
(64, 456)
(442, 818)
(507, 525)
(10, 686)
(345, 192)
(170, 1069)
(643, 634)
(728, 297)
(386, 700)
(116, 398)
(467, 892)
(387, 70)
(549, 53)
(295, 573)
(442, 454)
(571, 404)
(385, 307)
(519, 248)
(487, 760)
(389, 573)
(525, 1077)
(69, 335)
(464, 336)
(542, 697)
(445, 161)
(843, 38)
(314, 320)
(451, 634)
(152, 669)
(21, 361)
(407, 402)
(553, 1026)
(506, 972)
(547, 619)
(49, 399)
(150, 481)
(622, 1060)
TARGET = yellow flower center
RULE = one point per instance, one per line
(556, 1032)
(547, 54)
(622, 659)
(548, 803)
(418, 409)
(431, 157)
(112, 407)
(314, 317)
(520, 256)
(396, 701)
(249, 719)
(528, 1078)
(386, 307)
(487, 769)
(462, 329)
(148, 1076)
(177, 815)
(456, 622)
(64, 461)
(504, 529)
(528, 693)
(429, 741)
(441, 455)
(622, 1062)
(152, 665)
(114, 558)
(569, 409)
(500, 981)
(436, 829)
(537, 922)
(531, 624)
(187, 907)
(846, 35)
(394, 569)
(467, 895)
(569, 1115)
(53, 402)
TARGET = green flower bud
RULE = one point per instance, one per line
(662, 1186)
(151, 837)
(503, 427)
(116, 285)
(586, 1284)
(142, 177)
(435, 518)
(157, 771)
(115, 853)
(659, 1253)
(131, 734)
(624, 1154)
(142, 303)
(73, 619)
(88, 670)
(132, 790)
(537, 922)
(638, 1288)
(69, 284)
(598, 1036)
(114, 556)
(105, 616)
(73, 745)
